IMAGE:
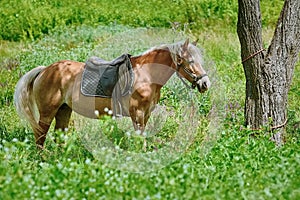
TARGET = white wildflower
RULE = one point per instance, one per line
(144, 134)
(59, 165)
(128, 158)
(158, 195)
(93, 190)
(58, 193)
(138, 132)
(87, 161)
(128, 134)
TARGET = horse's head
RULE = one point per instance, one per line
(188, 64)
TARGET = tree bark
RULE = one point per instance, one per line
(268, 73)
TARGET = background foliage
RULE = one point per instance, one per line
(31, 19)
(235, 166)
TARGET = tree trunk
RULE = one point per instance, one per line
(268, 73)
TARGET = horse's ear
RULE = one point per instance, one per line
(185, 45)
(195, 42)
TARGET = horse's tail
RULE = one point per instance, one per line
(24, 100)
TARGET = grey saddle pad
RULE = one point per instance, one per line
(102, 78)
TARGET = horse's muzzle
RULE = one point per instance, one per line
(203, 84)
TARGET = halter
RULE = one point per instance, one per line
(190, 74)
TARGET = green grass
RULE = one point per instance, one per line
(236, 167)
(222, 162)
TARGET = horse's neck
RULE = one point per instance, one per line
(156, 67)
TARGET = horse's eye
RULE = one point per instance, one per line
(179, 60)
(191, 61)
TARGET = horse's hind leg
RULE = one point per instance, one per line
(62, 117)
(40, 132)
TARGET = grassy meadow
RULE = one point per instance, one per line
(221, 161)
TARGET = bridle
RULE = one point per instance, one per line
(194, 77)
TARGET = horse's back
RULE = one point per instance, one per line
(63, 69)
(59, 74)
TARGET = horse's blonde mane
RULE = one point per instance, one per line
(176, 48)
(173, 48)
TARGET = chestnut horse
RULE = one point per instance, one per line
(45, 93)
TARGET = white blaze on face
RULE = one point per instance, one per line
(204, 82)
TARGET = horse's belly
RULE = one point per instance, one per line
(91, 107)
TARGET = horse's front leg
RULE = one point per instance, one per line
(139, 118)
(139, 122)
(140, 106)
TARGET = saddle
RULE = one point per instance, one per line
(102, 78)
